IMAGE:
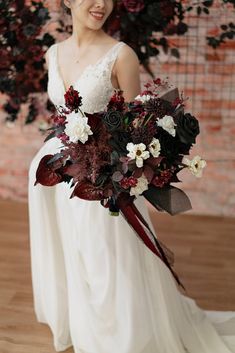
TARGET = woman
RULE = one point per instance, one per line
(95, 283)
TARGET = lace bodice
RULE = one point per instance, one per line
(94, 84)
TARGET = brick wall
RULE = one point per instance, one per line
(206, 76)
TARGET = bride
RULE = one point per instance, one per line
(96, 285)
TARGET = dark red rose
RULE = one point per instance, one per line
(38, 52)
(134, 6)
(167, 8)
(72, 99)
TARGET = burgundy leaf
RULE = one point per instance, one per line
(73, 169)
(154, 161)
(45, 175)
(88, 191)
(149, 173)
(137, 173)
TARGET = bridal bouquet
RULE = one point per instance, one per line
(127, 150)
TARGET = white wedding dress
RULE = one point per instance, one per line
(96, 285)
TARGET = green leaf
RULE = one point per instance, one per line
(205, 9)
(51, 135)
(199, 10)
(175, 53)
(224, 27)
(208, 3)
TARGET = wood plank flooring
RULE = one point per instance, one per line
(204, 250)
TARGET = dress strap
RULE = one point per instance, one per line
(113, 53)
(52, 55)
(111, 58)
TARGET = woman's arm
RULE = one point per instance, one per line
(128, 73)
(46, 56)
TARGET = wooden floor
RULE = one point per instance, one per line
(204, 250)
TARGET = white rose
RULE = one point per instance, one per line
(196, 165)
(141, 186)
(144, 98)
(154, 147)
(168, 124)
(77, 128)
(137, 152)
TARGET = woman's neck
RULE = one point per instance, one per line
(83, 37)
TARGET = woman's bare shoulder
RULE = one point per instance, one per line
(47, 53)
(127, 53)
(126, 59)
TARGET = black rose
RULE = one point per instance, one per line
(119, 140)
(169, 146)
(187, 128)
(112, 119)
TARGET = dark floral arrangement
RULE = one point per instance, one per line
(137, 21)
(22, 73)
(22, 49)
(130, 149)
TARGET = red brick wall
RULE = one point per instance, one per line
(207, 77)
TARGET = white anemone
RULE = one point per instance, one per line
(154, 147)
(196, 165)
(137, 152)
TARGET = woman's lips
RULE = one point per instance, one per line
(98, 16)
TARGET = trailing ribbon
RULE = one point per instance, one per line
(136, 220)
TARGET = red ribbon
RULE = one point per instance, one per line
(136, 220)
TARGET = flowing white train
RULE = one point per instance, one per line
(95, 283)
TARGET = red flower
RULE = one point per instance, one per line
(157, 81)
(167, 8)
(134, 6)
(117, 101)
(128, 182)
(72, 99)
(58, 119)
(162, 179)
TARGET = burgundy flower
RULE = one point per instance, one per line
(128, 182)
(72, 99)
(170, 28)
(134, 6)
(167, 8)
(58, 119)
(162, 179)
(117, 101)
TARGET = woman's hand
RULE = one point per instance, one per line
(128, 73)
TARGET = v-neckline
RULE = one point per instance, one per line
(83, 72)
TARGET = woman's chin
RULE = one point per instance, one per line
(95, 26)
(96, 22)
